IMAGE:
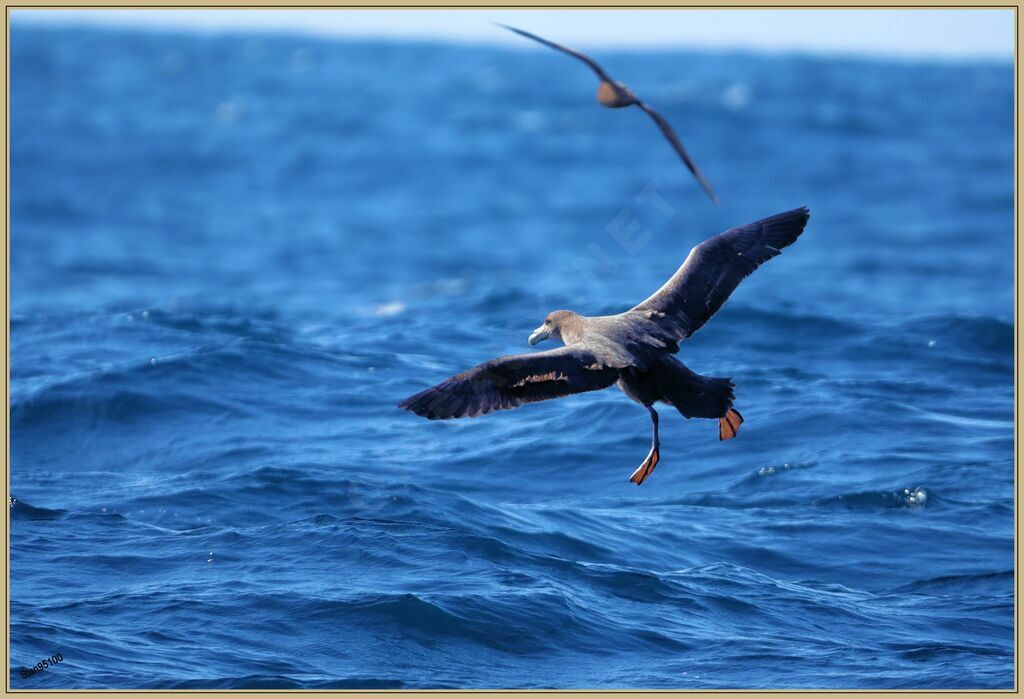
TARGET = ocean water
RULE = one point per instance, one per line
(231, 256)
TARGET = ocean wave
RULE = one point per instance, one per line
(22, 510)
(743, 497)
(958, 584)
(184, 382)
(284, 682)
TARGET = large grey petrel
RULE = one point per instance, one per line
(614, 95)
(632, 349)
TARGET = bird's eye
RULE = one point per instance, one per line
(547, 322)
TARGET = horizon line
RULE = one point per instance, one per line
(811, 37)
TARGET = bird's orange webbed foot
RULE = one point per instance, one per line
(729, 425)
(644, 469)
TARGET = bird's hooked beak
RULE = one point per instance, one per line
(539, 335)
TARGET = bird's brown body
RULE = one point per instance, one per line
(615, 96)
(633, 350)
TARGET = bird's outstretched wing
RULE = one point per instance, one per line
(508, 382)
(558, 47)
(670, 134)
(714, 269)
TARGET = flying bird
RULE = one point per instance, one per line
(632, 349)
(614, 95)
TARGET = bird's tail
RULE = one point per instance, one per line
(694, 395)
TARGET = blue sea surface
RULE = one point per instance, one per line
(232, 255)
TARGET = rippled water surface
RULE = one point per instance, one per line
(231, 256)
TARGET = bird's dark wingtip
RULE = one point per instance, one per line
(801, 214)
(414, 403)
(431, 405)
(509, 27)
(706, 186)
(782, 230)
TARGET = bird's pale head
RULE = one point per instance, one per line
(558, 325)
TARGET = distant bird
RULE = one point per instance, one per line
(632, 349)
(614, 95)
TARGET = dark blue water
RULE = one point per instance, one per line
(231, 257)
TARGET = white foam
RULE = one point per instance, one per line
(736, 96)
(392, 308)
(916, 497)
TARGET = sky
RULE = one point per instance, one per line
(949, 34)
